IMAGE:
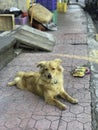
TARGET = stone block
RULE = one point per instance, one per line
(6, 50)
(34, 38)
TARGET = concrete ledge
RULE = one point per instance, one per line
(34, 38)
(30, 37)
(6, 50)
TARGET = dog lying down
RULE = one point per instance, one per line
(48, 82)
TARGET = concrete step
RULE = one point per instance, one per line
(6, 50)
(35, 38)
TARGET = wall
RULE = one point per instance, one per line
(6, 4)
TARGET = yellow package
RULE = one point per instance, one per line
(62, 7)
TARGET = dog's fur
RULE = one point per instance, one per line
(48, 82)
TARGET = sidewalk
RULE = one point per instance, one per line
(21, 110)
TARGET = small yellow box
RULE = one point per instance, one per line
(61, 7)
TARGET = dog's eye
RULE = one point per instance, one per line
(53, 68)
(46, 69)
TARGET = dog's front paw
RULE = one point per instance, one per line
(75, 101)
(63, 107)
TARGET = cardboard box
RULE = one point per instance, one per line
(6, 22)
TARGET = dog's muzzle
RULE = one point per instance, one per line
(49, 76)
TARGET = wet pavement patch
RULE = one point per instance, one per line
(76, 38)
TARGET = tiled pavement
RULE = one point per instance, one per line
(22, 110)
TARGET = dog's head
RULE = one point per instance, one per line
(50, 70)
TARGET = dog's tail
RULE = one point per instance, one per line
(16, 80)
(20, 74)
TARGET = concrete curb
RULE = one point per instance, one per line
(93, 45)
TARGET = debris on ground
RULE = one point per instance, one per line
(80, 71)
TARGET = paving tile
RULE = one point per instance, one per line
(62, 125)
(12, 123)
(31, 123)
(81, 50)
(75, 125)
(88, 126)
(83, 96)
(68, 117)
(76, 109)
(76, 39)
(46, 122)
(16, 128)
(42, 124)
(3, 128)
(54, 125)
(84, 118)
(24, 123)
(87, 109)
(2, 121)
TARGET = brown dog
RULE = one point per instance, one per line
(48, 82)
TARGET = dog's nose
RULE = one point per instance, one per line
(49, 76)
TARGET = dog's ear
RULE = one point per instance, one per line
(41, 64)
(59, 61)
